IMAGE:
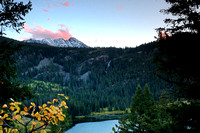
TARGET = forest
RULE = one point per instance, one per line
(85, 76)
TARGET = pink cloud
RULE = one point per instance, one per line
(119, 7)
(66, 3)
(55, 5)
(48, 5)
(39, 32)
(45, 10)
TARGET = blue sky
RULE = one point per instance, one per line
(104, 23)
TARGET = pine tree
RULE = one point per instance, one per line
(176, 60)
(140, 118)
(9, 87)
(12, 13)
(187, 16)
(137, 101)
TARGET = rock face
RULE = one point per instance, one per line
(72, 42)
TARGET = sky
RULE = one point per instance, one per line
(97, 23)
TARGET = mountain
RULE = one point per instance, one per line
(72, 42)
(93, 78)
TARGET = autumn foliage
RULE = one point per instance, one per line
(30, 119)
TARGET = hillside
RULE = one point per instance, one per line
(94, 78)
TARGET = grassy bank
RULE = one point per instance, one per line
(105, 114)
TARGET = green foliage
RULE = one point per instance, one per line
(141, 112)
(146, 115)
(9, 86)
(180, 121)
(12, 13)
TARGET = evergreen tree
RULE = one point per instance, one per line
(137, 101)
(177, 63)
(142, 113)
(12, 13)
(176, 60)
(187, 16)
(9, 87)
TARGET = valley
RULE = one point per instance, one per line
(93, 78)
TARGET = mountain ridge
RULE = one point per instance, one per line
(93, 78)
(60, 42)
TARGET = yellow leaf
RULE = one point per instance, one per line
(32, 127)
(25, 109)
(33, 104)
(5, 106)
(45, 112)
(6, 129)
(55, 100)
(42, 123)
(14, 131)
(17, 111)
(66, 107)
(59, 130)
(5, 116)
(63, 115)
(63, 103)
(17, 103)
(12, 108)
(61, 118)
(12, 104)
(44, 105)
(30, 107)
(61, 95)
(49, 102)
(43, 131)
(1, 111)
(66, 97)
(8, 119)
(18, 117)
(40, 107)
(37, 115)
(1, 122)
(56, 121)
(24, 113)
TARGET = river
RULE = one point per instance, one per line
(93, 127)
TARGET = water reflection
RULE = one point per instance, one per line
(93, 127)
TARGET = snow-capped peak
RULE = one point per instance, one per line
(72, 42)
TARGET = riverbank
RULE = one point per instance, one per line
(94, 118)
(100, 116)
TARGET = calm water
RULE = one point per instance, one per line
(93, 127)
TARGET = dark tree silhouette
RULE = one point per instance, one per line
(187, 16)
(12, 14)
(9, 86)
(177, 62)
(177, 55)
